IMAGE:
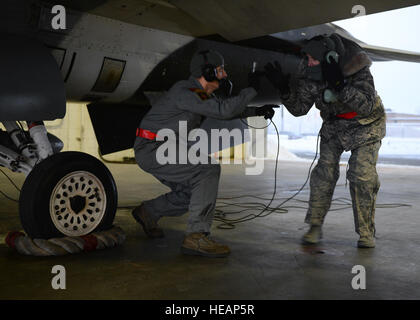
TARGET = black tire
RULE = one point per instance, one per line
(36, 195)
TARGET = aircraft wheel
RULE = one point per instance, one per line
(69, 193)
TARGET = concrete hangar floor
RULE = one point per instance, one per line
(267, 259)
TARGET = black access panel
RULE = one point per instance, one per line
(115, 124)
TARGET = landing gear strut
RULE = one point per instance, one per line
(67, 193)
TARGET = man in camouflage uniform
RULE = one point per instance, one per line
(335, 76)
(193, 186)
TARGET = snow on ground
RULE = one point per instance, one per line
(394, 147)
(284, 154)
(390, 145)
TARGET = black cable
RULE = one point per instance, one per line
(20, 125)
(220, 215)
(309, 172)
(11, 181)
(229, 223)
(7, 197)
(271, 121)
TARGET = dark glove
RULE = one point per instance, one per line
(292, 63)
(277, 78)
(254, 80)
(333, 75)
(267, 111)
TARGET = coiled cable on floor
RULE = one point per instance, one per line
(229, 223)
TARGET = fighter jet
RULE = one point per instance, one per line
(118, 56)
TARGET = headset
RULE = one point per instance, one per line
(208, 70)
(331, 54)
(328, 43)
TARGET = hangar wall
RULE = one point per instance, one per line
(76, 131)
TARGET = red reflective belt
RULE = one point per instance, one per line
(348, 115)
(146, 134)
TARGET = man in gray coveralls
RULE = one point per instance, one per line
(193, 186)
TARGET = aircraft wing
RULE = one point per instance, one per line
(239, 20)
(376, 53)
(388, 54)
(232, 19)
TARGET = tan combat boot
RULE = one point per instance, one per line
(313, 235)
(200, 244)
(366, 242)
(149, 225)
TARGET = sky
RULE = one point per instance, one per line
(398, 83)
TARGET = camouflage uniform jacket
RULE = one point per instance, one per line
(358, 96)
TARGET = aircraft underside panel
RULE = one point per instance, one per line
(31, 84)
(115, 125)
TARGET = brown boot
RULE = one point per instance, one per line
(200, 244)
(149, 225)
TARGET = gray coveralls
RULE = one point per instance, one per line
(193, 186)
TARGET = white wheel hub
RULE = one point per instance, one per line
(78, 203)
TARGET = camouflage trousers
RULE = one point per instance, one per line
(363, 179)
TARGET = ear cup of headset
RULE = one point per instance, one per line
(332, 55)
(209, 72)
